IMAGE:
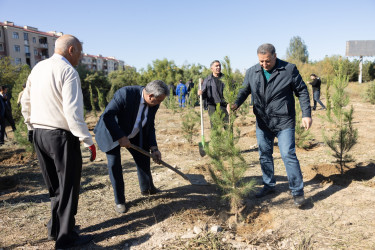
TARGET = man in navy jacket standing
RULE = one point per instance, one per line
(129, 119)
(272, 84)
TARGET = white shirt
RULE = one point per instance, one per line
(136, 129)
(53, 98)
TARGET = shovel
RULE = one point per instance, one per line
(194, 179)
(202, 144)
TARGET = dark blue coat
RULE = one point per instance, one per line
(273, 100)
(119, 117)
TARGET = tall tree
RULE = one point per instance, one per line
(297, 50)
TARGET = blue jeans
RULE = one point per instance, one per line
(316, 96)
(286, 142)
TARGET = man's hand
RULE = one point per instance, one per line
(156, 155)
(306, 122)
(200, 92)
(92, 150)
(30, 135)
(124, 142)
(231, 107)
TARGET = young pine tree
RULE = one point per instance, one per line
(302, 135)
(228, 165)
(101, 99)
(190, 124)
(344, 136)
(93, 108)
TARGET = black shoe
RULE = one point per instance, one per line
(299, 200)
(264, 191)
(314, 109)
(81, 240)
(151, 191)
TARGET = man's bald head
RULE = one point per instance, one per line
(69, 47)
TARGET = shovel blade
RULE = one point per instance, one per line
(201, 150)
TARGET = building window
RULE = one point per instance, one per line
(17, 48)
(27, 49)
(15, 35)
(18, 61)
(34, 40)
(1, 47)
(25, 36)
(35, 52)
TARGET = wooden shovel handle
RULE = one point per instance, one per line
(162, 162)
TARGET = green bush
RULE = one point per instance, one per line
(370, 93)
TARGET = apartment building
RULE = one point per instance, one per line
(26, 45)
(100, 63)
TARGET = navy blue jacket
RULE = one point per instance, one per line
(119, 117)
(273, 100)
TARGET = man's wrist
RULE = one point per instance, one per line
(154, 149)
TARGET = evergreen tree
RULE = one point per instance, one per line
(297, 50)
(92, 102)
(101, 98)
(344, 136)
(302, 135)
(228, 165)
(190, 123)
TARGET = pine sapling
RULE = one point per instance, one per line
(190, 124)
(302, 135)
(344, 136)
(93, 108)
(228, 166)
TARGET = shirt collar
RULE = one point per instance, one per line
(62, 58)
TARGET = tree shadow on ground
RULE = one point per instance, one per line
(362, 172)
(168, 203)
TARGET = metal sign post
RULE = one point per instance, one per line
(360, 48)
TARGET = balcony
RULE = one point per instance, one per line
(27, 54)
(26, 42)
(44, 45)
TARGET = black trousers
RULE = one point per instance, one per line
(116, 176)
(212, 109)
(60, 160)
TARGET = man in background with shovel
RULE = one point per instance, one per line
(129, 120)
(212, 90)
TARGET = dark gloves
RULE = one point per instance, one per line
(92, 150)
(30, 136)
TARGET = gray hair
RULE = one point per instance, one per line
(266, 48)
(214, 61)
(63, 43)
(157, 88)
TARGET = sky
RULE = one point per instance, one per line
(199, 31)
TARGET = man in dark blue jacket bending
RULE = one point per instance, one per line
(272, 83)
(129, 119)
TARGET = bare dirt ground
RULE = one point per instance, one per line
(339, 213)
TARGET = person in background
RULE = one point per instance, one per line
(52, 105)
(316, 82)
(128, 119)
(272, 84)
(213, 90)
(181, 92)
(8, 108)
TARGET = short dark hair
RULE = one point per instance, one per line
(266, 48)
(313, 75)
(3, 87)
(214, 61)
